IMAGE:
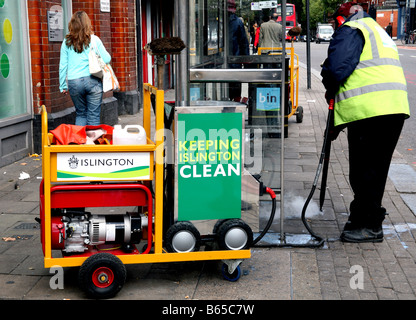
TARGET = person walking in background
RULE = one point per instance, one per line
(246, 30)
(86, 91)
(239, 46)
(253, 32)
(389, 30)
(363, 74)
(271, 32)
(256, 40)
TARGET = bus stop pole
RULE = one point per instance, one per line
(282, 117)
(308, 47)
(227, 52)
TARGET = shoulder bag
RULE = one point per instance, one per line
(96, 63)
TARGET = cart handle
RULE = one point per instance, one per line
(44, 124)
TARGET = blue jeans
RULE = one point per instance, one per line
(87, 95)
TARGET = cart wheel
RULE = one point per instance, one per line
(233, 276)
(234, 234)
(299, 114)
(217, 225)
(102, 276)
(182, 237)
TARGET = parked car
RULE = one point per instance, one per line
(303, 38)
(324, 33)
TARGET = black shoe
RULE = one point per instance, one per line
(363, 235)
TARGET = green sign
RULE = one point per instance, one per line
(209, 158)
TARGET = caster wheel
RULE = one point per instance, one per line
(102, 276)
(231, 276)
(182, 237)
(299, 114)
(234, 234)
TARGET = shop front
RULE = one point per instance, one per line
(15, 89)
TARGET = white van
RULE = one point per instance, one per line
(324, 33)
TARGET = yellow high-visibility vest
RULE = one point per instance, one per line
(377, 86)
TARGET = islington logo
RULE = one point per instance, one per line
(103, 166)
(73, 162)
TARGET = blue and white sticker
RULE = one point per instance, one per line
(268, 99)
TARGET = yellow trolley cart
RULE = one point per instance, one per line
(294, 108)
(102, 244)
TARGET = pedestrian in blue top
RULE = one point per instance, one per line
(86, 91)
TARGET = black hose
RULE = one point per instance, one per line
(318, 172)
(305, 206)
(271, 218)
(305, 222)
(315, 182)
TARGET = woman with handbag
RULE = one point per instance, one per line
(86, 90)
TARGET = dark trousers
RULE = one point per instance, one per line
(371, 145)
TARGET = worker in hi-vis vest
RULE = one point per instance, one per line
(363, 74)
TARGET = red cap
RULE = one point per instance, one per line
(345, 8)
(231, 6)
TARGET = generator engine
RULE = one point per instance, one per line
(75, 231)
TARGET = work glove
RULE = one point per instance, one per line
(329, 96)
(333, 131)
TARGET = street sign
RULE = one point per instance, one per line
(263, 5)
(255, 6)
(105, 5)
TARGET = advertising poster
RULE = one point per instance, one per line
(209, 158)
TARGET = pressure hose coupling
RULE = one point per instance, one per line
(263, 189)
(271, 193)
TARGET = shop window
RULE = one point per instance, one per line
(13, 59)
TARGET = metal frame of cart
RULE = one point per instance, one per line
(55, 194)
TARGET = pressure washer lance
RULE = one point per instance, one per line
(318, 172)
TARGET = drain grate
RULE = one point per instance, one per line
(28, 225)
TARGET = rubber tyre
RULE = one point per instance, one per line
(98, 267)
(187, 231)
(299, 114)
(217, 225)
(233, 276)
(231, 230)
